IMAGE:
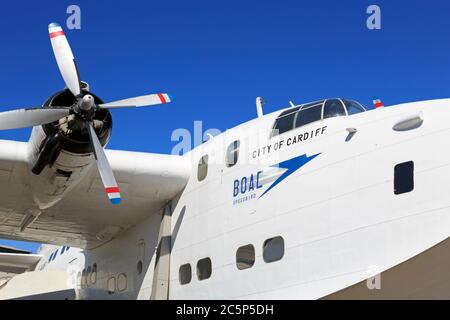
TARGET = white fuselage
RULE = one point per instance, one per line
(337, 214)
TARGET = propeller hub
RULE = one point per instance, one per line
(87, 103)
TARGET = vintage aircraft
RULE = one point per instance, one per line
(319, 200)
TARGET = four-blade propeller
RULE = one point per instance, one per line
(84, 107)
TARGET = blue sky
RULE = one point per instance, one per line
(215, 57)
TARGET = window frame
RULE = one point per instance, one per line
(122, 275)
(93, 276)
(309, 106)
(88, 275)
(235, 152)
(111, 278)
(354, 101)
(342, 105)
(83, 279)
(206, 163)
(265, 246)
(180, 277)
(293, 110)
(140, 267)
(200, 273)
(254, 256)
(297, 109)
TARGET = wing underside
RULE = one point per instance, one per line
(15, 263)
(85, 218)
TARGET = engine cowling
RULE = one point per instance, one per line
(60, 153)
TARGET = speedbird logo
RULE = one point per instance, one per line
(244, 189)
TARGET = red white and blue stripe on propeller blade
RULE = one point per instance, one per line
(113, 194)
(104, 169)
(64, 58)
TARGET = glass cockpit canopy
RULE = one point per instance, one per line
(315, 111)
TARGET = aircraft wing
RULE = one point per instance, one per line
(5, 249)
(84, 218)
(15, 263)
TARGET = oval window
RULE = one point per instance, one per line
(202, 171)
(245, 257)
(93, 277)
(83, 279)
(111, 284)
(88, 276)
(185, 274)
(204, 269)
(139, 267)
(122, 282)
(232, 154)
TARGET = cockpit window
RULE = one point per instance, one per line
(353, 107)
(314, 111)
(333, 108)
(285, 121)
(308, 114)
(307, 105)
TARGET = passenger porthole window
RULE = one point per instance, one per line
(273, 249)
(232, 154)
(245, 257)
(111, 285)
(83, 279)
(93, 276)
(204, 269)
(185, 274)
(122, 282)
(202, 170)
(88, 276)
(139, 267)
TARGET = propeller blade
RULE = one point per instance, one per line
(142, 101)
(22, 118)
(106, 174)
(64, 58)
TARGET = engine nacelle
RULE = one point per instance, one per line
(60, 153)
